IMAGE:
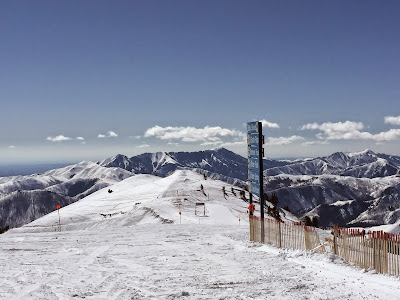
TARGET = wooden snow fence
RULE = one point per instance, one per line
(372, 250)
(369, 250)
(285, 234)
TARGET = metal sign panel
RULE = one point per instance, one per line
(252, 127)
(253, 139)
(253, 163)
(255, 189)
(254, 157)
(253, 152)
(254, 176)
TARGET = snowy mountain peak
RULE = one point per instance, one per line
(362, 153)
(220, 163)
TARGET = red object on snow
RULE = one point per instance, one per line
(58, 206)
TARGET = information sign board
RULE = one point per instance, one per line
(254, 140)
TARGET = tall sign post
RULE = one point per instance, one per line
(255, 151)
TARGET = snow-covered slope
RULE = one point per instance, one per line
(150, 199)
(129, 244)
(175, 261)
(26, 198)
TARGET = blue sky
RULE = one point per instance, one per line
(90, 79)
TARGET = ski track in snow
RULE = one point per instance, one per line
(188, 261)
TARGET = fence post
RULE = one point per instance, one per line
(262, 230)
(306, 238)
(374, 250)
(279, 235)
(335, 234)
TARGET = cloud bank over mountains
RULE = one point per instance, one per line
(217, 135)
(208, 134)
(349, 130)
(315, 137)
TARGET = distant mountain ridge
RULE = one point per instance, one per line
(342, 188)
(228, 165)
(364, 164)
(361, 188)
(218, 163)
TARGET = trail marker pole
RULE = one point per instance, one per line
(180, 217)
(59, 219)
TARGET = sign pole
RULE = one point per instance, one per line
(260, 161)
(59, 219)
(251, 202)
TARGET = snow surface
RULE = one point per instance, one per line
(160, 261)
(342, 203)
(122, 245)
(141, 198)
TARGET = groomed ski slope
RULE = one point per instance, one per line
(143, 199)
(136, 253)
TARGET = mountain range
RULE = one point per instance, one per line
(361, 188)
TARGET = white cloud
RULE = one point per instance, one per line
(112, 134)
(58, 138)
(278, 141)
(391, 135)
(310, 143)
(143, 146)
(212, 135)
(350, 131)
(392, 120)
(339, 130)
(80, 138)
(267, 124)
(11, 147)
(109, 134)
(237, 143)
(211, 143)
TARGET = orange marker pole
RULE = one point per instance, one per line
(59, 219)
(239, 221)
(180, 217)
